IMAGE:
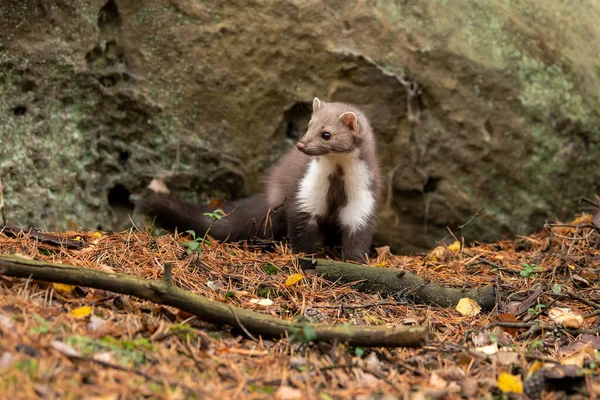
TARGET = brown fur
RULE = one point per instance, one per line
(350, 131)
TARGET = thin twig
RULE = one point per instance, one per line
(581, 299)
(243, 327)
(461, 227)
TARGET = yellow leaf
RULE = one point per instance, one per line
(437, 254)
(293, 279)
(454, 246)
(534, 367)
(61, 287)
(583, 219)
(77, 238)
(510, 383)
(468, 307)
(96, 235)
(381, 264)
(81, 312)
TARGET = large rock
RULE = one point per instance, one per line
(98, 97)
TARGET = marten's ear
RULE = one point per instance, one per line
(350, 120)
(317, 103)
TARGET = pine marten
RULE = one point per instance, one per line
(323, 192)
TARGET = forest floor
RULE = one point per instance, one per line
(541, 340)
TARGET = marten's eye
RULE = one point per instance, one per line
(326, 135)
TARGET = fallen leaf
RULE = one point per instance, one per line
(95, 323)
(216, 286)
(583, 219)
(489, 350)
(507, 357)
(510, 383)
(293, 279)
(81, 312)
(566, 317)
(468, 307)
(61, 287)
(508, 317)
(216, 203)
(262, 302)
(383, 251)
(104, 356)
(96, 235)
(581, 280)
(592, 341)
(64, 349)
(576, 359)
(534, 368)
(454, 246)
(439, 253)
(380, 264)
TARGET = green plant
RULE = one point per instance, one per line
(536, 344)
(529, 270)
(270, 269)
(536, 310)
(557, 288)
(194, 245)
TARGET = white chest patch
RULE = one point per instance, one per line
(360, 205)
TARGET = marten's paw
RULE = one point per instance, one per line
(158, 186)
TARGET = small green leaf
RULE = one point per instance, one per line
(557, 288)
(270, 269)
(191, 233)
(229, 295)
(308, 333)
(359, 352)
(193, 245)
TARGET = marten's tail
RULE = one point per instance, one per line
(246, 219)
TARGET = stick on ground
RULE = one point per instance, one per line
(161, 292)
(390, 281)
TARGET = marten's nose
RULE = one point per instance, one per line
(300, 146)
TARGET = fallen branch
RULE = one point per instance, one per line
(389, 281)
(164, 292)
(48, 238)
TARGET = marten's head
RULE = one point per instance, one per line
(333, 129)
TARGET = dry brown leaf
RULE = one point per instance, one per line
(468, 307)
(566, 317)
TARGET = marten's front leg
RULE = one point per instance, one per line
(303, 233)
(357, 243)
